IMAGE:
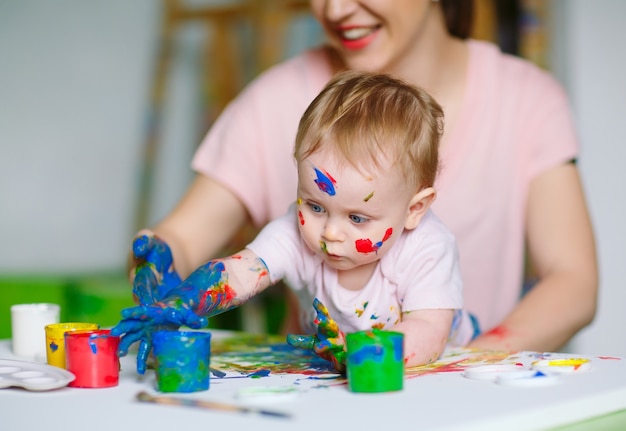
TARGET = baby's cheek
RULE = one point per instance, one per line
(311, 240)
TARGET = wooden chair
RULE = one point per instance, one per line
(267, 22)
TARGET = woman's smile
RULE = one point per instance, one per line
(355, 38)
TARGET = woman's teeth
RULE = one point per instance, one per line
(357, 33)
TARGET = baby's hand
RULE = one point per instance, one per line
(154, 275)
(139, 323)
(329, 341)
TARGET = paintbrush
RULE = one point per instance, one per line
(203, 404)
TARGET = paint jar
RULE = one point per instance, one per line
(182, 360)
(91, 355)
(375, 361)
(55, 340)
(27, 328)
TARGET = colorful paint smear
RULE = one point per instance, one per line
(206, 291)
(323, 247)
(366, 245)
(246, 355)
(359, 311)
(251, 356)
(325, 182)
(567, 365)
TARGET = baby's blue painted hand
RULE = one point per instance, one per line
(154, 274)
(139, 323)
(329, 341)
(203, 294)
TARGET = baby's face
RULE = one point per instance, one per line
(350, 218)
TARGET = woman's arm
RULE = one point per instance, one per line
(203, 222)
(562, 251)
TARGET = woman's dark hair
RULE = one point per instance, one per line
(458, 15)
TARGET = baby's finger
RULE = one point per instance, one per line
(128, 340)
(137, 313)
(327, 328)
(320, 308)
(325, 345)
(301, 341)
(142, 244)
(143, 285)
(142, 355)
(128, 326)
(196, 322)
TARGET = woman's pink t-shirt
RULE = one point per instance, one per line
(515, 123)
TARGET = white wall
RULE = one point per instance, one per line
(591, 61)
(73, 100)
(74, 97)
(75, 81)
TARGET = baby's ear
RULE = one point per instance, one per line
(419, 204)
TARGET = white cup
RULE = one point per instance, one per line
(28, 332)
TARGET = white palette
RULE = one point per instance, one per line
(32, 376)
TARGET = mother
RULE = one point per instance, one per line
(508, 184)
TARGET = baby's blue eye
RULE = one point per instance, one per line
(316, 208)
(357, 219)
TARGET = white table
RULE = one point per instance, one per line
(438, 398)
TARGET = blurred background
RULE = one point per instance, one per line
(102, 104)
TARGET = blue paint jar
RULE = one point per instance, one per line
(182, 360)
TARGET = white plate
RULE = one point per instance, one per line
(527, 378)
(32, 375)
(490, 372)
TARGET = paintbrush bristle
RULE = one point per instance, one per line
(144, 396)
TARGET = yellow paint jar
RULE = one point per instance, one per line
(55, 340)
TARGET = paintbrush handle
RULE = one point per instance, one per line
(209, 405)
(235, 408)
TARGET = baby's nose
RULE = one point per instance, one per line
(332, 231)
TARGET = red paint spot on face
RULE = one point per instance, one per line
(366, 246)
(301, 217)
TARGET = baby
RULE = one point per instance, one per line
(360, 242)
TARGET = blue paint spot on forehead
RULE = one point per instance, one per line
(324, 182)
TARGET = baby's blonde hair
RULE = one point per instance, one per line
(365, 115)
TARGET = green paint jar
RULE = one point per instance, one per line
(375, 361)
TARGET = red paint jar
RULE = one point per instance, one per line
(91, 355)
